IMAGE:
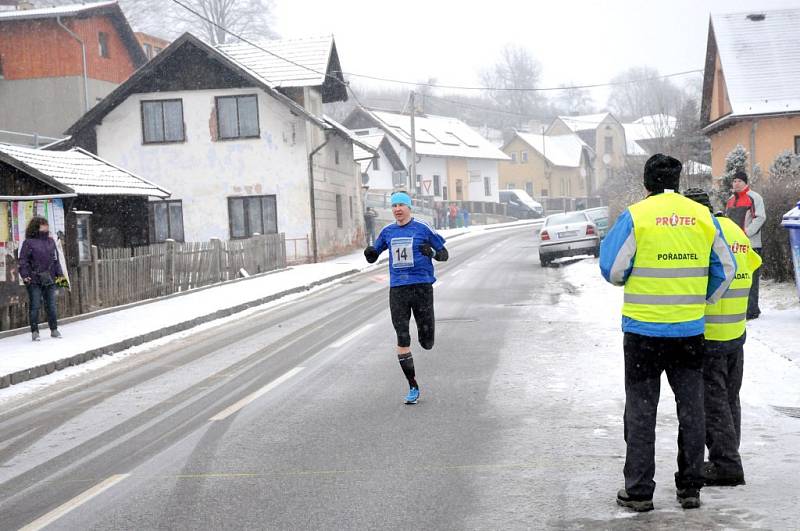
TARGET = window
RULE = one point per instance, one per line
(523, 156)
(148, 50)
(437, 185)
(418, 185)
(511, 186)
(102, 39)
(487, 186)
(513, 157)
(336, 156)
(166, 221)
(339, 213)
(545, 192)
(609, 145)
(796, 139)
(237, 117)
(162, 121)
(444, 193)
(529, 188)
(459, 190)
(351, 207)
(376, 163)
(252, 214)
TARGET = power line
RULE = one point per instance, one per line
(422, 84)
(524, 89)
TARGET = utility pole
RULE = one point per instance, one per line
(412, 167)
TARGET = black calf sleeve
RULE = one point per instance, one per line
(407, 364)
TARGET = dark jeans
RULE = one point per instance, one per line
(35, 295)
(645, 359)
(752, 301)
(416, 298)
(723, 368)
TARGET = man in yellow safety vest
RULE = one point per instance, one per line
(724, 358)
(669, 253)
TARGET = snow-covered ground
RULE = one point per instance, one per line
(19, 352)
(770, 395)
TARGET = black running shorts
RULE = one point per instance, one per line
(416, 299)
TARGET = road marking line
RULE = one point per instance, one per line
(74, 503)
(346, 339)
(230, 410)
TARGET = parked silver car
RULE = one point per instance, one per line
(568, 234)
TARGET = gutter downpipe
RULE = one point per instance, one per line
(83, 54)
(311, 196)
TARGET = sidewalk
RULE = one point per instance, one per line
(94, 335)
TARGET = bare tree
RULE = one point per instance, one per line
(641, 91)
(516, 68)
(572, 101)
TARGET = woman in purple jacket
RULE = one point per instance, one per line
(39, 268)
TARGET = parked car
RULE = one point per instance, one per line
(568, 234)
(521, 205)
(599, 217)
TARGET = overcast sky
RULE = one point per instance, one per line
(576, 41)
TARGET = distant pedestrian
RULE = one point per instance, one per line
(453, 214)
(746, 208)
(670, 255)
(465, 216)
(723, 364)
(40, 270)
(370, 218)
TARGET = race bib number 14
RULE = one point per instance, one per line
(402, 252)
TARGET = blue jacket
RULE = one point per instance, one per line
(718, 278)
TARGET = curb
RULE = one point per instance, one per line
(76, 359)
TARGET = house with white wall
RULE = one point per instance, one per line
(454, 162)
(240, 140)
(604, 134)
(378, 168)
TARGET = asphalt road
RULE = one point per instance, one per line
(293, 418)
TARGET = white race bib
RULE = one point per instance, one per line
(402, 253)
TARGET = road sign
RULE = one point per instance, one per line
(427, 186)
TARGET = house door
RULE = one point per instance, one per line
(459, 190)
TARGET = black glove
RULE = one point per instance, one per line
(427, 250)
(371, 254)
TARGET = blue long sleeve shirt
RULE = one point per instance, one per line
(616, 246)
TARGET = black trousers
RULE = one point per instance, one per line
(645, 359)
(37, 294)
(723, 368)
(416, 299)
(752, 300)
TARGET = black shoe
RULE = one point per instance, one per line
(637, 504)
(689, 498)
(752, 316)
(714, 479)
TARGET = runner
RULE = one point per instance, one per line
(411, 244)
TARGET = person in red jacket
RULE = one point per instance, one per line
(746, 209)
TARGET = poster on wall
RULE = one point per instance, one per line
(14, 218)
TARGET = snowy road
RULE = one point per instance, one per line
(292, 419)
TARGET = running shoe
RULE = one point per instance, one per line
(640, 505)
(412, 396)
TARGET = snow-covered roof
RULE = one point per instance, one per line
(585, 122)
(651, 127)
(759, 59)
(54, 11)
(80, 171)
(373, 141)
(311, 54)
(439, 136)
(560, 150)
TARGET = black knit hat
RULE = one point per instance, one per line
(699, 195)
(741, 175)
(662, 172)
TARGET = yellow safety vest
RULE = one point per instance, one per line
(726, 319)
(668, 283)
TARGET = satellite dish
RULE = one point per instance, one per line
(606, 159)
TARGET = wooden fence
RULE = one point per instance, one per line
(115, 277)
